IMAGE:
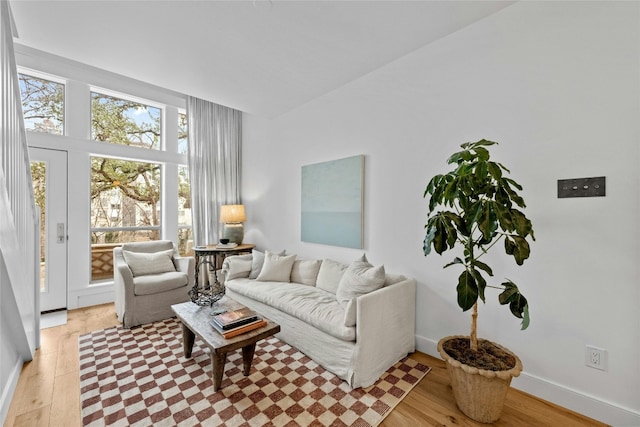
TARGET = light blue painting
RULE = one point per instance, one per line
(332, 201)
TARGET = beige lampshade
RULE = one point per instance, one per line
(232, 214)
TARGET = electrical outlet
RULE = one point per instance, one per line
(596, 358)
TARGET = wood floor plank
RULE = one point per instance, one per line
(38, 417)
(65, 406)
(67, 360)
(48, 391)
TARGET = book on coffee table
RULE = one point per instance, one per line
(234, 318)
(239, 330)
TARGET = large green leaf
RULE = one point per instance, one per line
(518, 247)
(488, 221)
(482, 153)
(481, 284)
(441, 232)
(517, 302)
(522, 224)
(504, 216)
(426, 247)
(433, 183)
(482, 266)
(494, 170)
(525, 318)
(481, 143)
(467, 291)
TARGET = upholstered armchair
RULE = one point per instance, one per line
(149, 277)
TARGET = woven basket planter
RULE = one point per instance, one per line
(479, 393)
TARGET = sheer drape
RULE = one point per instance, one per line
(215, 143)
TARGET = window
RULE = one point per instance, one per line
(39, 183)
(183, 134)
(42, 104)
(125, 207)
(185, 236)
(125, 122)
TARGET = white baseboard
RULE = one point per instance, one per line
(606, 412)
(8, 390)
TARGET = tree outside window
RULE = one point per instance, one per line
(42, 104)
(183, 134)
(125, 122)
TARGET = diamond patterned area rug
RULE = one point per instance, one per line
(139, 377)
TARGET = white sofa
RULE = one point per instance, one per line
(354, 320)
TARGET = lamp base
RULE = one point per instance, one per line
(234, 232)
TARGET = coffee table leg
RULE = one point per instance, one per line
(188, 337)
(247, 358)
(217, 363)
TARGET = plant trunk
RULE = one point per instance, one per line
(474, 328)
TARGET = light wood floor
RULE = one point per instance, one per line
(48, 392)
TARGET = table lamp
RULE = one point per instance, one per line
(232, 216)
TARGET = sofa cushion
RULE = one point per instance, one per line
(360, 278)
(237, 266)
(257, 260)
(276, 268)
(350, 313)
(142, 263)
(330, 274)
(305, 271)
(155, 283)
(313, 306)
(392, 279)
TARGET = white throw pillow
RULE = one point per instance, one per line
(257, 262)
(305, 271)
(276, 268)
(143, 263)
(359, 279)
(330, 274)
(239, 266)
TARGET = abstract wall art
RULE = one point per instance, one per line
(332, 202)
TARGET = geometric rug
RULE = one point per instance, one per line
(139, 377)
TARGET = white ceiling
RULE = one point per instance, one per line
(262, 57)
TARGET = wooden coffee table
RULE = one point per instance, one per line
(195, 322)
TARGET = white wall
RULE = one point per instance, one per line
(558, 85)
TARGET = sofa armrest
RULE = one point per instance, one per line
(187, 265)
(123, 288)
(385, 329)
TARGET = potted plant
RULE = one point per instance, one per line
(472, 208)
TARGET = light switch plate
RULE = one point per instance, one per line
(582, 187)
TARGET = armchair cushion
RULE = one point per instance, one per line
(155, 283)
(142, 264)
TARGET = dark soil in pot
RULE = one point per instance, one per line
(489, 356)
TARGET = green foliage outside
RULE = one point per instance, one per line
(124, 193)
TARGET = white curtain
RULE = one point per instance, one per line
(215, 147)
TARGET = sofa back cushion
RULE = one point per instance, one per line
(360, 278)
(330, 274)
(276, 268)
(305, 271)
(257, 261)
(237, 266)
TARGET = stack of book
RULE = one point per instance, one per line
(237, 322)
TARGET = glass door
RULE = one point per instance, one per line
(49, 175)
